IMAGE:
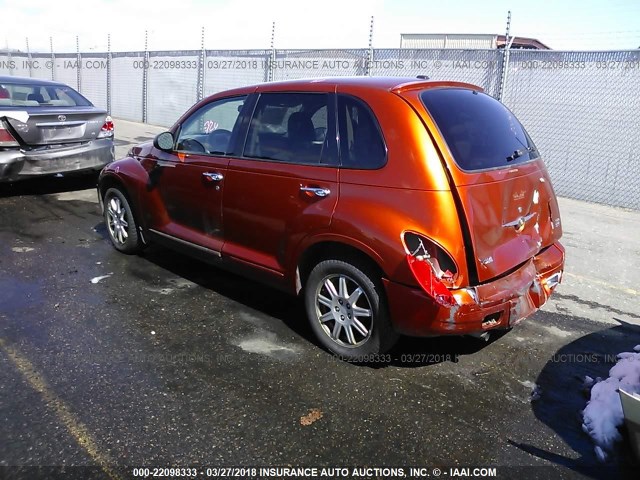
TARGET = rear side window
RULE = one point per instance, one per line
(290, 127)
(480, 131)
(361, 143)
(34, 95)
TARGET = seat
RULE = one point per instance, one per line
(4, 93)
(36, 97)
(300, 127)
(301, 135)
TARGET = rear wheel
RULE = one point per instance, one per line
(122, 228)
(348, 311)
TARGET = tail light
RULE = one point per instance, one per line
(6, 139)
(107, 128)
(432, 266)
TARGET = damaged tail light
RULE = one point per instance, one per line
(432, 266)
(107, 128)
(6, 139)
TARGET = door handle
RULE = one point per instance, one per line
(213, 176)
(317, 191)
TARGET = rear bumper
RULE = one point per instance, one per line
(20, 164)
(500, 304)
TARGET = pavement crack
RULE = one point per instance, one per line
(592, 304)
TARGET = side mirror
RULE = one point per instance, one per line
(164, 141)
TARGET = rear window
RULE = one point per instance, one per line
(480, 131)
(34, 95)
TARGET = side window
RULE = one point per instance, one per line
(361, 143)
(208, 130)
(290, 127)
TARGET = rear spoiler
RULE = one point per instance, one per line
(422, 84)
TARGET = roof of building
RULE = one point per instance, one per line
(498, 40)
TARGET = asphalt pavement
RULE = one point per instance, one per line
(113, 360)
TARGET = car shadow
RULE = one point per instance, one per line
(49, 184)
(563, 396)
(290, 310)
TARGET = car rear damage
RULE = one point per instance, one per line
(48, 137)
(19, 160)
(498, 304)
(508, 215)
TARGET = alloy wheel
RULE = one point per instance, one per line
(117, 220)
(344, 310)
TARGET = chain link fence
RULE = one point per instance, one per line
(583, 111)
(581, 108)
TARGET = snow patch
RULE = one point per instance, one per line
(176, 283)
(22, 249)
(555, 331)
(101, 277)
(536, 391)
(268, 344)
(603, 414)
(182, 283)
(81, 195)
(161, 291)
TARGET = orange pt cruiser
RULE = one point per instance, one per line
(392, 205)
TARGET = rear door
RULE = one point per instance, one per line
(284, 186)
(508, 203)
(57, 114)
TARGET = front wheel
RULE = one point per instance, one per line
(348, 311)
(122, 228)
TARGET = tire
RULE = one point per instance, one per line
(121, 224)
(368, 331)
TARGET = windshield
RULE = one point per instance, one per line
(34, 95)
(479, 130)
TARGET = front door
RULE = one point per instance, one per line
(190, 180)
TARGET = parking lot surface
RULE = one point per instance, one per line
(157, 359)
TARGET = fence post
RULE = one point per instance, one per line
(9, 60)
(367, 68)
(505, 58)
(272, 55)
(29, 59)
(78, 65)
(109, 73)
(201, 68)
(145, 78)
(53, 59)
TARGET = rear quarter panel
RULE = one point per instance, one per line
(377, 217)
(411, 192)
